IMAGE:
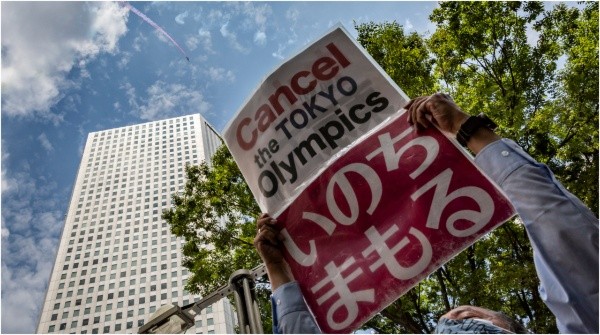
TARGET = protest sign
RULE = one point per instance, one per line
(392, 210)
(369, 206)
(305, 114)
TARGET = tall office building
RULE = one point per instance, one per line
(117, 261)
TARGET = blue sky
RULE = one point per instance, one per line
(70, 68)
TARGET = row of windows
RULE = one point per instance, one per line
(107, 329)
(141, 182)
(97, 319)
(131, 153)
(153, 137)
(156, 125)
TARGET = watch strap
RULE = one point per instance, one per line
(473, 123)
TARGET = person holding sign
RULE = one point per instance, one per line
(562, 230)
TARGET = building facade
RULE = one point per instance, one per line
(117, 261)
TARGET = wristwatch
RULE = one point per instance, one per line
(473, 123)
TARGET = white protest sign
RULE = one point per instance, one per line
(305, 114)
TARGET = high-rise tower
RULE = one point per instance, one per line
(117, 261)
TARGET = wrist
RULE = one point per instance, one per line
(278, 273)
(471, 126)
(481, 138)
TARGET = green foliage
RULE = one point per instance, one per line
(404, 57)
(215, 216)
(484, 60)
(480, 54)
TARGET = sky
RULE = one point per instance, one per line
(71, 68)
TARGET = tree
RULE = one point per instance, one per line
(486, 60)
(215, 216)
(404, 57)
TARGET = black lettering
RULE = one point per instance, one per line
(271, 177)
(329, 95)
(328, 136)
(353, 86)
(278, 172)
(290, 167)
(282, 124)
(257, 161)
(295, 123)
(314, 138)
(262, 152)
(344, 119)
(355, 118)
(313, 106)
(379, 104)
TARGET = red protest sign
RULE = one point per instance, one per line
(380, 219)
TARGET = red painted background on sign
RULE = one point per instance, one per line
(384, 216)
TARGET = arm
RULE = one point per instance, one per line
(562, 231)
(290, 313)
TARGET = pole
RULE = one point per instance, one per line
(245, 301)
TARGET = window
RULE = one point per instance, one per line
(51, 329)
(210, 322)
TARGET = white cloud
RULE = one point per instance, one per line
(8, 184)
(260, 38)
(259, 14)
(137, 42)
(43, 41)
(125, 58)
(192, 43)
(220, 74)
(168, 100)
(408, 25)
(215, 15)
(205, 39)
(292, 14)
(232, 38)
(130, 93)
(45, 142)
(181, 17)
(31, 227)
